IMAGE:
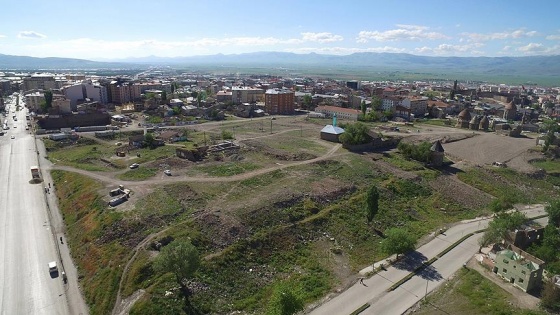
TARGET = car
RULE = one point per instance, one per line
(134, 165)
(167, 172)
(52, 267)
(15, 126)
(13, 137)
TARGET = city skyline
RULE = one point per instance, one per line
(110, 31)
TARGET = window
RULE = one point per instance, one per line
(506, 261)
(520, 280)
(523, 272)
(504, 270)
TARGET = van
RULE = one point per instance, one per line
(52, 267)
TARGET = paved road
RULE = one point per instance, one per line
(374, 290)
(26, 241)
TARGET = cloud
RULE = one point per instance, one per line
(553, 37)
(532, 48)
(448, 49)
(479, 37)
(321, 37)
(30, 34)
(345, 50)
(402, 33)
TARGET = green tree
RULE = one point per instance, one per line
(307, 101)
(164, 96)
(420, 152)
(499, 227)
(284, 301)
(363, 107)
(376, 103)
(149, 140)
(182, 259)
(397, 241)
(550, 299)
(553, 211)
(372, 202)
(48, 98)
(354, 134)
(550, 126)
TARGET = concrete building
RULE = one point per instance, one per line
(417, 105)
(74, 93)
(279, 101)
(120, 93)
(39, 82)
(33, 100)
(341, 113)
(520, 268)
(242, 94)
(96, 93)
(62, 104)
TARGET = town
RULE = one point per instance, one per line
(436, 152)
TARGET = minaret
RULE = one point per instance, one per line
(334, 120)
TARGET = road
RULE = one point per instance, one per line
(374, 290)
(26, 242)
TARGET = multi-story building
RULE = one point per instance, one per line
(389, 103)
(74, 93)
(341, 112)
(39, 82)
(520, 268)
(63, 104)
(279, 101)
(33, 100)
(242, 94)
(96, 93)
(417, 105)
(120, 93)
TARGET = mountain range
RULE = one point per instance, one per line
(530, 66)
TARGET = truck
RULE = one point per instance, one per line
(35, 172)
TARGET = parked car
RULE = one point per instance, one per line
(134, 165)
(167, 172)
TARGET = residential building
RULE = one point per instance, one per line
(62, 104)
(120, 93)
(417, 105)
(242, 94)
(33, 100)
(389, 103)
(279, 101)
(341, 113)
(96, 93)
(74, 93)
(39, 82)
(519, 268)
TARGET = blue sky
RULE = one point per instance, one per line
(108, 29)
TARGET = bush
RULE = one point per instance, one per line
(419, 152)
(355, 134)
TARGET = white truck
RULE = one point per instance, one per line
(52, 267)
(35, 173)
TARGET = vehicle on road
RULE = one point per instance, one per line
(167, 172)
(134, 165)
(52, 267)
(13, 137)
(35, 171)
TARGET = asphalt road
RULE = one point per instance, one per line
(374, 289)
(26, 242)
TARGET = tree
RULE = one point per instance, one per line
(164, 96)
(550, 126)
(372, 203)
(284, 301)
(550, 299)
(363, 107)
(553, 211)
(180, 258)
(307, 101)
(149, 140)
(48, 98)
(376, 103)
(420, 152)
(499, 227)
(355, 134)
(397, 241)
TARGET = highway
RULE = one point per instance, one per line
(26, 242)
(374, 291)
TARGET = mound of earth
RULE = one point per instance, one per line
(277, 153)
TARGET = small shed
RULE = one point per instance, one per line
(331, 133)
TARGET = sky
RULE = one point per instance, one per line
(118, 29)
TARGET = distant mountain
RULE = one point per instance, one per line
(517, 68)
(55, 63)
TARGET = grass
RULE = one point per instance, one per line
(550, 166)
(470, 293)
(228, 169)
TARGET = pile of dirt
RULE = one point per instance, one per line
(455, 190)
(224, 229)
(277, 154)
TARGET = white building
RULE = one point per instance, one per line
(33, 100)
(74, 93)
(96, 92)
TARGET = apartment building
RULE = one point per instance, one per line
(74, 93)
(520, 268)
(39, 82)
(120, 93)
(96, 93)
(33, 100)
(242, 94)
(279, 101)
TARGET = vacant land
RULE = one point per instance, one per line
(286, 207)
